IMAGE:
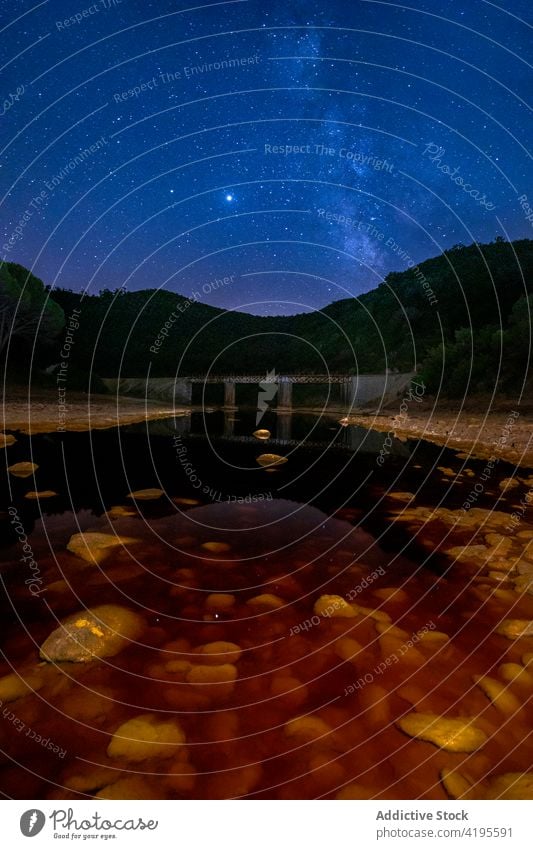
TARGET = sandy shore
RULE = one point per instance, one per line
(506, 432)
(41, 414)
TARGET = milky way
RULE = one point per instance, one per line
(307, 149)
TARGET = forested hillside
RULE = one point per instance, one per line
(463, 315)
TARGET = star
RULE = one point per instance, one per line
(229, 198)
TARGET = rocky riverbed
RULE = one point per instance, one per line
(505, 432)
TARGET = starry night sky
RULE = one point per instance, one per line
(189, 180)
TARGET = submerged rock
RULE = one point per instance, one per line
(216, 547)
(307, 727)
(499, 694)
(266, 460)
(94, 547)
(45, 493)
(23, 470)
(6, 439)
(452, 735)
(90, 634)
(510, 785)
(508, 483)
(512, 628)
(146, 737)
(186, 502)
(220, 601)
(267, 601)
(118, 511)
(146, 494)
(262, 433)
(333, 606)
(13, 686)
(457, 786)
(219, 652)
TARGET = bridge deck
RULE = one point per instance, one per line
(279, 378)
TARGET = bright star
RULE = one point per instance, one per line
(229, 197)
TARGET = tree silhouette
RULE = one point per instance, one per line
(26, 310)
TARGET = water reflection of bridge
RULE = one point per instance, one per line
(351, 438)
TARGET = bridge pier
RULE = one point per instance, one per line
(348, 392)
(229, 425)
(229, 395)
(283, 427)
(284, 395)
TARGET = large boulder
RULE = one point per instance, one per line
(90, 634)
(94, 547)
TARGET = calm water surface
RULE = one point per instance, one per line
(310, 704)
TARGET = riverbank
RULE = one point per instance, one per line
(503, 431)
(41, 412)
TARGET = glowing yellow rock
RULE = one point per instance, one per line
(213, 680)
(452, 735)
(325, 769)
(216, 547)
(511, 785)
(118, 510)
(94, 547)
(354, 791)
(15, 686)
(348, 649)
(307, 727)
(391, 631)
(45, 493)
(149, 494)
(23, 470)
(220, 601)
(378, 615)
(508, 483)
(266, 601)
(457, 786)
(187, 502)
(234, 783)
(181, 776)
(144, 737)
(90, 779)
(100, 632)
(290, 688)
(433, 637)
(179, 666)
(392, 594)
(512, 628)
(515, 672)
(132, 787)
(262, 433)
(266, 460)
(498, 693)
(219, 652)
(334, 606)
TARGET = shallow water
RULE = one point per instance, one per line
(332, 520)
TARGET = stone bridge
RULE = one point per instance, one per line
(360, 390)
